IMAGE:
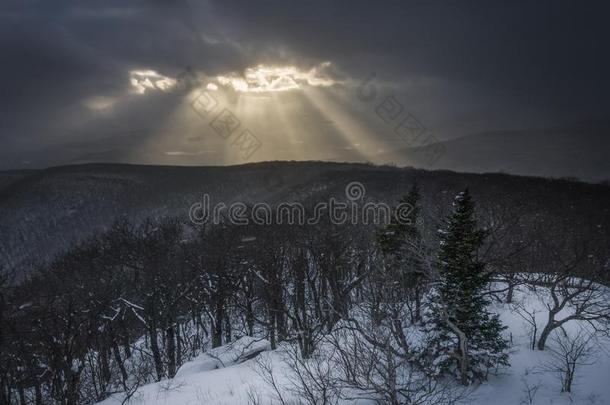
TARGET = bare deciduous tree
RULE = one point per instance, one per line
(569, 353)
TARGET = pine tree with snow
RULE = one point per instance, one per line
(402, 224)
(401, 243)
(462, 330)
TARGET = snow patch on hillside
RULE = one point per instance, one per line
(231, 374)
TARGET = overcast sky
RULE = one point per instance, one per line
(67, 71)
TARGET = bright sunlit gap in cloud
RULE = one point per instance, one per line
(143, 80)
(263, 78)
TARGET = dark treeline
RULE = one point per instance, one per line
(132, 304)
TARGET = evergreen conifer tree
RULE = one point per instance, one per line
(401, 243)
(463, 330)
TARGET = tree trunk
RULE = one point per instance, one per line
(219, 316)
(228, 330)
(38, 393)
(250, 317)
(550, 325)
(154, 347)
(463, 364)
(510, 293)
(417, 293)
(22, 400)
(170, 342)
(119, 361)
(271, 322)
(126, 346)
(463, 349)
(280, 322)
(73, 379)
(5, 393)
(545, 334)
(105, 366)
(178, 346)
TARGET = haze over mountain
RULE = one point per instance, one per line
(579, 151)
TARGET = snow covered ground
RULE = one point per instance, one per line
(529, 367)
(224, 376)
(232, 375)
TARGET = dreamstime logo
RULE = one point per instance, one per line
(353, 210)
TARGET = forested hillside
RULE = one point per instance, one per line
(44, 212)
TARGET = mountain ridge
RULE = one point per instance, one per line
(45, 212)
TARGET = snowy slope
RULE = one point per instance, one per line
(232, 375)
(528, 367)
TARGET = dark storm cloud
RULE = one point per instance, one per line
(543, 50)
(513, 62)
(55, 56)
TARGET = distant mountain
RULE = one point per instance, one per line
(581, 151)
(45, 212)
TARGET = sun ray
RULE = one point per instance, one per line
(347, 125)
